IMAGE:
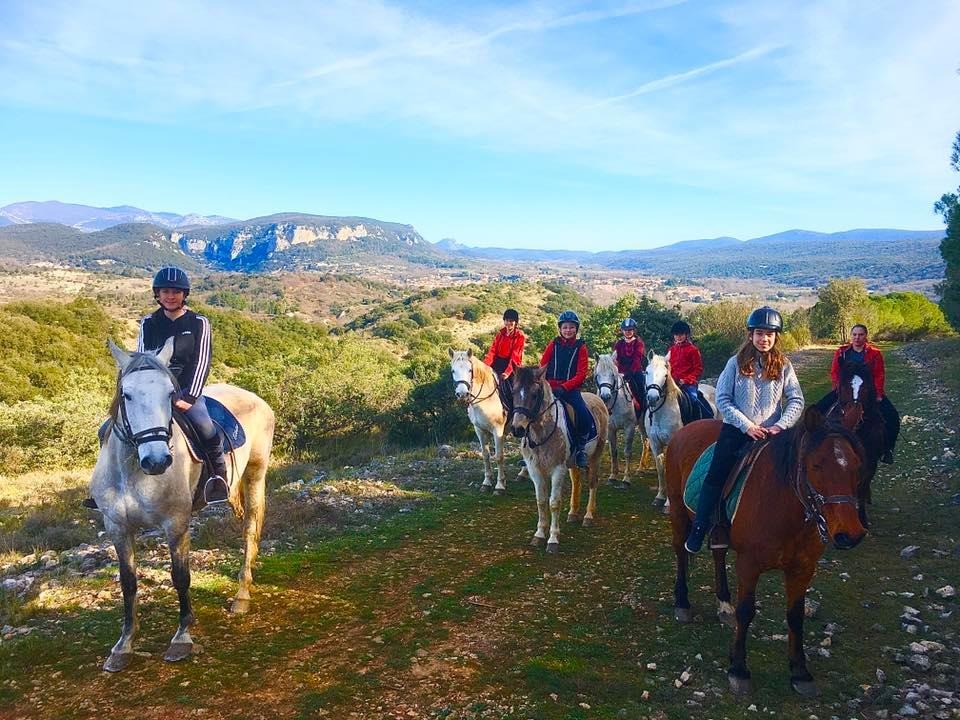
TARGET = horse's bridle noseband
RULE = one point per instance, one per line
(811, 499)
(615, 387)
(126, 434)
(651, 409)
(471, 398)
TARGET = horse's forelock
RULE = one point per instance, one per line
(139, 361)
(605, 363)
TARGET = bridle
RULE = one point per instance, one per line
(615, 387)
(534, 415)
(471, 398)
(122, 428)
(812, 500)
(661, 394)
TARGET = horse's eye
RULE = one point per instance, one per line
(127, 396)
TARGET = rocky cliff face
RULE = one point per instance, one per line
(284, 241)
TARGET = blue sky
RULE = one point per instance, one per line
(580, 125)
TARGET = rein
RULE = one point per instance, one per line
(661, 394)
(812, 501)
(474, 399)
(615, 387)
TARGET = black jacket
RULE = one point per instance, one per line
(192, 348)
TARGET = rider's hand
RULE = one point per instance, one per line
(757, 432)
(182, 405)
(774, 430)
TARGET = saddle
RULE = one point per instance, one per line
(573, 430)
(228, 427)
(732, 487)
(690, 412)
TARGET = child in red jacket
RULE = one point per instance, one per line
(505, 354)
(566, 361)
(686, 367)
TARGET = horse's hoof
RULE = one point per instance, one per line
(117, 662)
(739, 685)
(553, 548)
(805, 688)
(499, 492)
(659, 502)
(239, 607)
(484, 488)
(588, 522)
(538, 541)
(683, 615)
(178, 651)
(574, 517)
(666, 508)
(727, 619)
(624, 484)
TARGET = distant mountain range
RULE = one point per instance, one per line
(58, 232)
(91, 219)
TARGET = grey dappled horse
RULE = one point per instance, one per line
(146, 477)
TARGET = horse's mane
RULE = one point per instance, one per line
(606, 359)
(138, 361)
(481, 369)
(786, 446)
(670, 385)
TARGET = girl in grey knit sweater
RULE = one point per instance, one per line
(758, 396)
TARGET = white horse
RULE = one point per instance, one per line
(615, 392)
(475, 385)
(145, 477)
(662, 418)
(541, 421)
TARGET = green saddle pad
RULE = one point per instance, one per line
(695, 482)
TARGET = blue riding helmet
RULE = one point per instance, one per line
(568, 316)
(628, 324)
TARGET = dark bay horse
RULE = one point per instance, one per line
(857, 410)
(800, 495)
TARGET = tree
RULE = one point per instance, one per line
(841, 303)
(602, 326)
(948, 206)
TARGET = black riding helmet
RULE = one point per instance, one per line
(681, 327)
(568, 316)
(765, 318)
(171, 277)
(511, 314)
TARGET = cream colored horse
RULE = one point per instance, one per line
(662, 418)
(615, 393)
(475, 385)
(146, 477)
(540, 420)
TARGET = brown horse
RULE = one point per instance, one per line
(856, 410)
(798, 497)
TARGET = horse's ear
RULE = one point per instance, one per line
(596, 357)
(469, 352)
(650, 354)
(121, 356)
(166, 352)
(539, 373)
(813, 419)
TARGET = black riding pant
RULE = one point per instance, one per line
(729, 444)
(637, 383)
(891, 418)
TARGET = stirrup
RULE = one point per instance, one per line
(216, 490)
(720, 537)
(90, 504)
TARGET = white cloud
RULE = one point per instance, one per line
(777, 95)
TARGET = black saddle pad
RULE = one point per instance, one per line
(689, 412)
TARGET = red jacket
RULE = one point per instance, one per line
(507, 347)
(873, 359)
(686, 365)
(580, 370)
(629, 355)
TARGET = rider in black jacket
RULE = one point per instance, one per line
(190, 364)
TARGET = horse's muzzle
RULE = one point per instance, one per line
(154, 467)
(519, 431)
(843, 541)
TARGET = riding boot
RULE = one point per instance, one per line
(709, 495)
(90, 504)
(580, 455)
(216, 489)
